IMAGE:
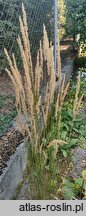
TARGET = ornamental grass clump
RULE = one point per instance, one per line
(62, 93)
(76, 103)
(32, 109)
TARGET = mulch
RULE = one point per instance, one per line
(8, 144)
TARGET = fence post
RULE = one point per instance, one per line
(55, 34)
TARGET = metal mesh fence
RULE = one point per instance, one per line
(39, 12)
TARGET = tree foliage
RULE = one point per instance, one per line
(61, 18)
(38, 13)
(76, 18)
(8, 21)
(9, 15)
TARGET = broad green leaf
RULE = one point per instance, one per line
(73, 143)
(65, 154)
(79, 181)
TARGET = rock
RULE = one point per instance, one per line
(79, 162)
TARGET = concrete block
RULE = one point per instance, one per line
(13, 173)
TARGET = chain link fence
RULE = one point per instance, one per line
(39, 12)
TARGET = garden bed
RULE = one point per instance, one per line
(12, 138)
(9, 142)
(69, 168)
(7, 102)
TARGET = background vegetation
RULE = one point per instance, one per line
(38, 13)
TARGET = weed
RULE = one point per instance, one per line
(73, 188)
(5, 120)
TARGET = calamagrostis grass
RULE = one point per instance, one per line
(62, 93)
(39, 71)
(28, 98)
(56, 143)
(49, 95)
(77, 100)
(24, 96)
(59, 58)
